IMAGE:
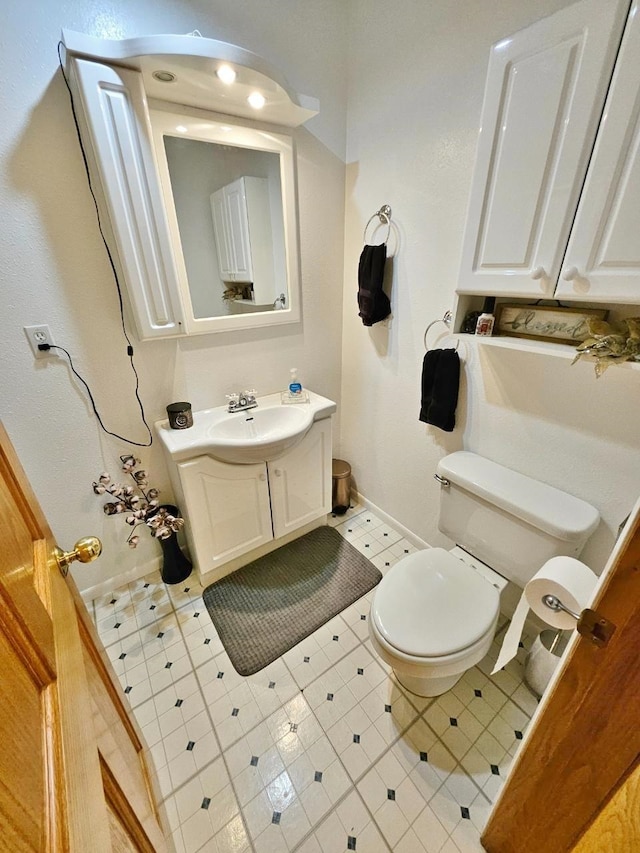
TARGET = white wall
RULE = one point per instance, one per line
(417, 72)
(54, 270)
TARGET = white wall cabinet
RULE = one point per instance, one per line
(235, 509)
(543, 105)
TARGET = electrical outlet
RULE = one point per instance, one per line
(39, 335)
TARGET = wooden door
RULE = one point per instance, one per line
(545, 89)
(603, 256)
(584, 741)
(73, 775)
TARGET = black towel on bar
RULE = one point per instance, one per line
(440, 383)
(373, 302)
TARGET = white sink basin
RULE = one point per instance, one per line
(255, 435)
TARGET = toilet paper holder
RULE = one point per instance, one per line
(591, 624)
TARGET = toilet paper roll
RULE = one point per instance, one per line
(566, 578)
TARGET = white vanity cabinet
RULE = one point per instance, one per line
(241, 214)
(237, 511)
(542, 112)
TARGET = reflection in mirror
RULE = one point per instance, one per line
(229, 196)
(229, 208)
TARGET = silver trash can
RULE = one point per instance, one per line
(543, 659)
(341, 486)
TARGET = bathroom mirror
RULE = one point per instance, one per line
(230, 200)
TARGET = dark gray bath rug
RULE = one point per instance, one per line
(266, 607)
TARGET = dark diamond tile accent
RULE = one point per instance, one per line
(178, 704)
(207, 641)
(360, 671)
(275, 817)
(329, 697)
(477, 692)
(349, 530)
(168, 665)
(453, 721)
(363, 618)
(190, 745)
(187, 588)
(387, 708)
(424, 756)
(356, 738)
(306, 659)
(128, 689)
(113, 601)
(122, 656)
(235, 712)
(196, 614)
(368, 520)
(317, 777)
(272, 684)
(293, 727)
(406, 550)
(351, 842)
(335, 638)
(366, 545)
(464, 811)
(518, 735)
(387, 564)
(153, 607)
(117, 625)
(391, 794)
(146, 586)
(206, 803)
(521, 645)
(495, 769)
(161, 635)
(254, 761)
(385, 534)
(220, 675)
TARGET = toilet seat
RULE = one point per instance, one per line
(432, 605)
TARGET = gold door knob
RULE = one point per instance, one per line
(85, 551)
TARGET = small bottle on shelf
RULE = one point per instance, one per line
(484, 326)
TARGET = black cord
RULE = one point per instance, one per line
(47, 347)
(115, 277)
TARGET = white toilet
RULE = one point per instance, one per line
(434, 614)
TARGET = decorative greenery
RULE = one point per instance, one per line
(611, 344)
(139, 501)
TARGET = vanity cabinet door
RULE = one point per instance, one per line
(602, 263)
(300, 481)
(545, 89)
(221, 231)
(228, 509)
(239, 231)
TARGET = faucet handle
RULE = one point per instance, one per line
(250, 392)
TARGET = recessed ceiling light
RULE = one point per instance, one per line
(226, 74)
(164, 76)
(256, 100)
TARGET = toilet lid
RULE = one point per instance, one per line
(432, 604)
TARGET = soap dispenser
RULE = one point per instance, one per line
(295, 388)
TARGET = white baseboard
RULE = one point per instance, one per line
(118, 580)
(415, 540)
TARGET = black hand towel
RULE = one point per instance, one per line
(440, 383)
(373, 302)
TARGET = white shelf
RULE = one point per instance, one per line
(565, 351)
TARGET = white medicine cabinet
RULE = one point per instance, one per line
(164, 135)
(555, 202)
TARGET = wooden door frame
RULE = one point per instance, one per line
(584, 740)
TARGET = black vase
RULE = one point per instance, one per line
(175, 566)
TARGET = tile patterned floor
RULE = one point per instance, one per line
(322, 751)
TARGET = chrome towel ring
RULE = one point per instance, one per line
(384, 215)
(447, 319)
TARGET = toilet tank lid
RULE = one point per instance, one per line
(549, 509)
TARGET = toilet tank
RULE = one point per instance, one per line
(511, 522)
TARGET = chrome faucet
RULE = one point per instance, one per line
(242, 400)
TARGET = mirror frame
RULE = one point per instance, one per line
(224, 130)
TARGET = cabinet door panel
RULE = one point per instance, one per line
(544, 93)
(115, 110)
(228, 509)
(220, 229)
(300, 482)
(239, 231)
(603, 256)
